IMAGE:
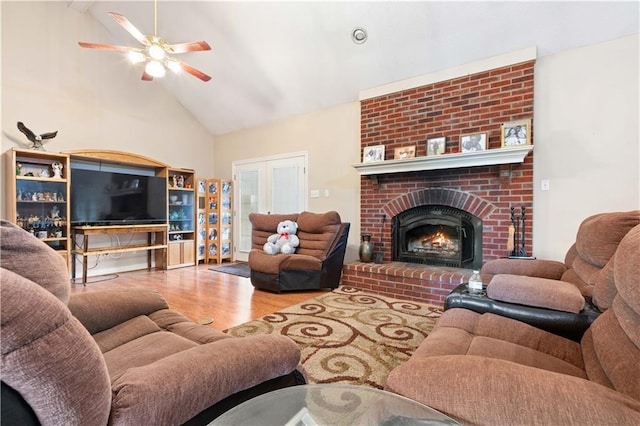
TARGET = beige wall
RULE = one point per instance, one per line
(587, 141)
(331, 138)
(586, 144)
(93, 98)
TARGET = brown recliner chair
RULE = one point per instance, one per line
(563, 298)
(117, 357)
(485, 369)
(317, 262)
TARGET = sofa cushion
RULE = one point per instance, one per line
(49, 357)
(533, 291)
(317, 233)
(194, 379)
(599, 235)
(50, 269)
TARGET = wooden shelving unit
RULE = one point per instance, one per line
(38, 196)
(219, 220)
(182, 218)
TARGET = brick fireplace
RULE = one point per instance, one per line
(471, 104)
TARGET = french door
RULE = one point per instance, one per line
(266, 185)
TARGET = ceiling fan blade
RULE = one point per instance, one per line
(106, 46)
(194, 46)
(131, 29)
(194, 72)
(146, 76)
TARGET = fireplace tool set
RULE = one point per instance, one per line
(516, 240)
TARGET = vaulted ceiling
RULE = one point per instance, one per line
(271, 60)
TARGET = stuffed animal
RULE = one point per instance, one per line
(285, 241)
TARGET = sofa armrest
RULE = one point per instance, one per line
(199, 377)
(530, 267)
(101, 310)
(486, 391)
(533, 291)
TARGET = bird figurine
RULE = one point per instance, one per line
(36, 140)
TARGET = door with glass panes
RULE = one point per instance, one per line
(266, 185)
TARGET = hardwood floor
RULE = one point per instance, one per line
(200, 293)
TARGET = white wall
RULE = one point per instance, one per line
(332, 139)
(93, 98)
(587, 141)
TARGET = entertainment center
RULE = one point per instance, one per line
(67, 199)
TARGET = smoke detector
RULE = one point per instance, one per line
(359, 35)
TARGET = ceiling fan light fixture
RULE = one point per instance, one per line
(174, 66)
(155, 69)
(136, 57)
(156, 52)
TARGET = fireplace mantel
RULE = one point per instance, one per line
(489, 157)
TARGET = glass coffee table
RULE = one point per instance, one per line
(331, 404)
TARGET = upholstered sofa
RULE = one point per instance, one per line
(317, 262)
(117, 357)
(563, 298)
(485, 369)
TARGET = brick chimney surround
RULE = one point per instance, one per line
(474, 103)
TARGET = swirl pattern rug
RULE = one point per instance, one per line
(349, 336)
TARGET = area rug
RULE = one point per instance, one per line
(240, 269)
(349, 336)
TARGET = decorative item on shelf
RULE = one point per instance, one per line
(18, 169)
(473, 143)
(180, 181)
(365, 251)
(44, 173)
(57, 167)
(404, 152)
(185, 198)
(173, 198)
(436, 146)
(515, 133)
(36, 140)
(372, 154)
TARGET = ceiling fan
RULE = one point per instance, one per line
(156, 52)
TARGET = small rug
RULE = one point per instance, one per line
(240, 269)
(349, 336)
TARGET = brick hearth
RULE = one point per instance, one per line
(422, 283)
(471, 104)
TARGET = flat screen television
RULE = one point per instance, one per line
(103, 197)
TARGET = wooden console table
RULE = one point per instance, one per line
(156, 240)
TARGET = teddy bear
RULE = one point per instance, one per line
(285, 241)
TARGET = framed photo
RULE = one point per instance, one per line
(436, 146)
(515, 133)
(371, 154)
(404, 152)
(473, 143)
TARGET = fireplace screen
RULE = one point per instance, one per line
(438, 235)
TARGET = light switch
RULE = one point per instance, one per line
(315, 193)
(544, 185)
(326, 192)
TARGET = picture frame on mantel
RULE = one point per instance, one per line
(473, 142)
(436, 146)
(372, 154)
(404, 152)
(515, 133)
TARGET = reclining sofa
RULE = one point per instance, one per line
(485, 369)
(317, 262)
(562, 298)
(117, 357)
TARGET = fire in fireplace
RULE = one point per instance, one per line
(437, 235)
